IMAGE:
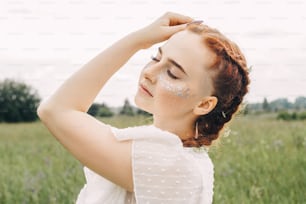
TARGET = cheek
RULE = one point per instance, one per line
(172, 101)
(179, 91)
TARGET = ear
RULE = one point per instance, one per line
(206, 105)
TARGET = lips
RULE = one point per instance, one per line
(144, 89)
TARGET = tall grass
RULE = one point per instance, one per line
(35, 168)
(261, 161)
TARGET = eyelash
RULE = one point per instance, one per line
(168, 71)
(155, 59)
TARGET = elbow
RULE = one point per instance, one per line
(42, 111)
(48, 111)
(45, 109)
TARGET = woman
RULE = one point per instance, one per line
(192, 87)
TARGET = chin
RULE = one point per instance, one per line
(142, 104)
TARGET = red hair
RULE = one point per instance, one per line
(230, 83)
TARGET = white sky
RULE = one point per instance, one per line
(42, 42)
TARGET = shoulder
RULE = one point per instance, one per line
(150, 141)
(148, 133)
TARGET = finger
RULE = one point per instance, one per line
(176, 19)
(174, 29)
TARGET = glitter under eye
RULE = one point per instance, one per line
(178, 90)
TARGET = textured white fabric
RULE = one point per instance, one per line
(163, 172)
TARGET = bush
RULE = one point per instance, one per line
(18, 102)
(284, 116)
(101, 110)
(94, 109)
(105, 111)
(293, 116)
(302, 116)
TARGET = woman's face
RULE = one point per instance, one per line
(177, 78)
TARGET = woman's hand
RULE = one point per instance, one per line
(162, 29)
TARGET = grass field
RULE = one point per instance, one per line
(262, 161)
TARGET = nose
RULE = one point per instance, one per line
(150, 72)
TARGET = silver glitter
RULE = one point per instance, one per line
(181, 91)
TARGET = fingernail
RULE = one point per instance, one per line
(195, 22)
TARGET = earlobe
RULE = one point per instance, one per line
(206, 105)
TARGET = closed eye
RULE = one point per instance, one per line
(171, 75)
(168, 71)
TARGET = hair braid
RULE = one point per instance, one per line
(230, 82)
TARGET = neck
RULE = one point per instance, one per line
(182, 128)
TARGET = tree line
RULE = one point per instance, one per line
(278, 105)
(285, 109)
(19, 102)
(102, 110)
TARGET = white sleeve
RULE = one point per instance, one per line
(163, 174)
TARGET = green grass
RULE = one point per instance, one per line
(35, 168)
(261, 161)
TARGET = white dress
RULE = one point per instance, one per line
(163, 172)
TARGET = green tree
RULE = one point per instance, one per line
(281, 104)
(94, 109)
(105, 111)
(265, 105)
(300, 103)
(18, 102)
(127, 109)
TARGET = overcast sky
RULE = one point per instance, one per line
(42, 42)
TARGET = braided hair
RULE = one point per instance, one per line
(230, 84)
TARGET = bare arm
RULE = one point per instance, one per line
(64, 113)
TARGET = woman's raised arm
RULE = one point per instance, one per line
(64, 113)
(80, 90)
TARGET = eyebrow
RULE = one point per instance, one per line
(172, 61)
